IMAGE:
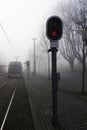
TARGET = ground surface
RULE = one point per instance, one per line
(72, 105)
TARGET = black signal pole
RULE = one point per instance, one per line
(55, 121)
(54, 30)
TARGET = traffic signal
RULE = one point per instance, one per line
(54, 28)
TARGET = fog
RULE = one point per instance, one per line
(21, 20)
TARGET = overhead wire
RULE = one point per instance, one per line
(7, 38)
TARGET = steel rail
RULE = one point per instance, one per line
(4, 84)
(5, 117)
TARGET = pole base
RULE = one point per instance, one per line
(55, 121)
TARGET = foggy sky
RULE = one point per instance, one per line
(21, 20)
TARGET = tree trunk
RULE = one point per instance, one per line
(71, 66)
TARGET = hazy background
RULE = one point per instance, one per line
(21, 21)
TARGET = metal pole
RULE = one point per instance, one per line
(28, 64)
(48, 66)
(34, 62)
(55, 121)
(83, 76)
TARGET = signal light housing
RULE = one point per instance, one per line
(54, 28)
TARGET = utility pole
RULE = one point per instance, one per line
(28, 68)
(34, 57)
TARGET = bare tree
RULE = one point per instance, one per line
(66, 44)
(67, 53)
(78, 16)
(74, 15)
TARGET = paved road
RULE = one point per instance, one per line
(72, 109)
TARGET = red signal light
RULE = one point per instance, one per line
(54, 28)
(54, 33)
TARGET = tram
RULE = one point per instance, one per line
(15, 69)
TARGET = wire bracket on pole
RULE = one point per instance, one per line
(51, 49)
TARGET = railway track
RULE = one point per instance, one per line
(15, 112)
(3, 84)
(3, 80)
(5, 94)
